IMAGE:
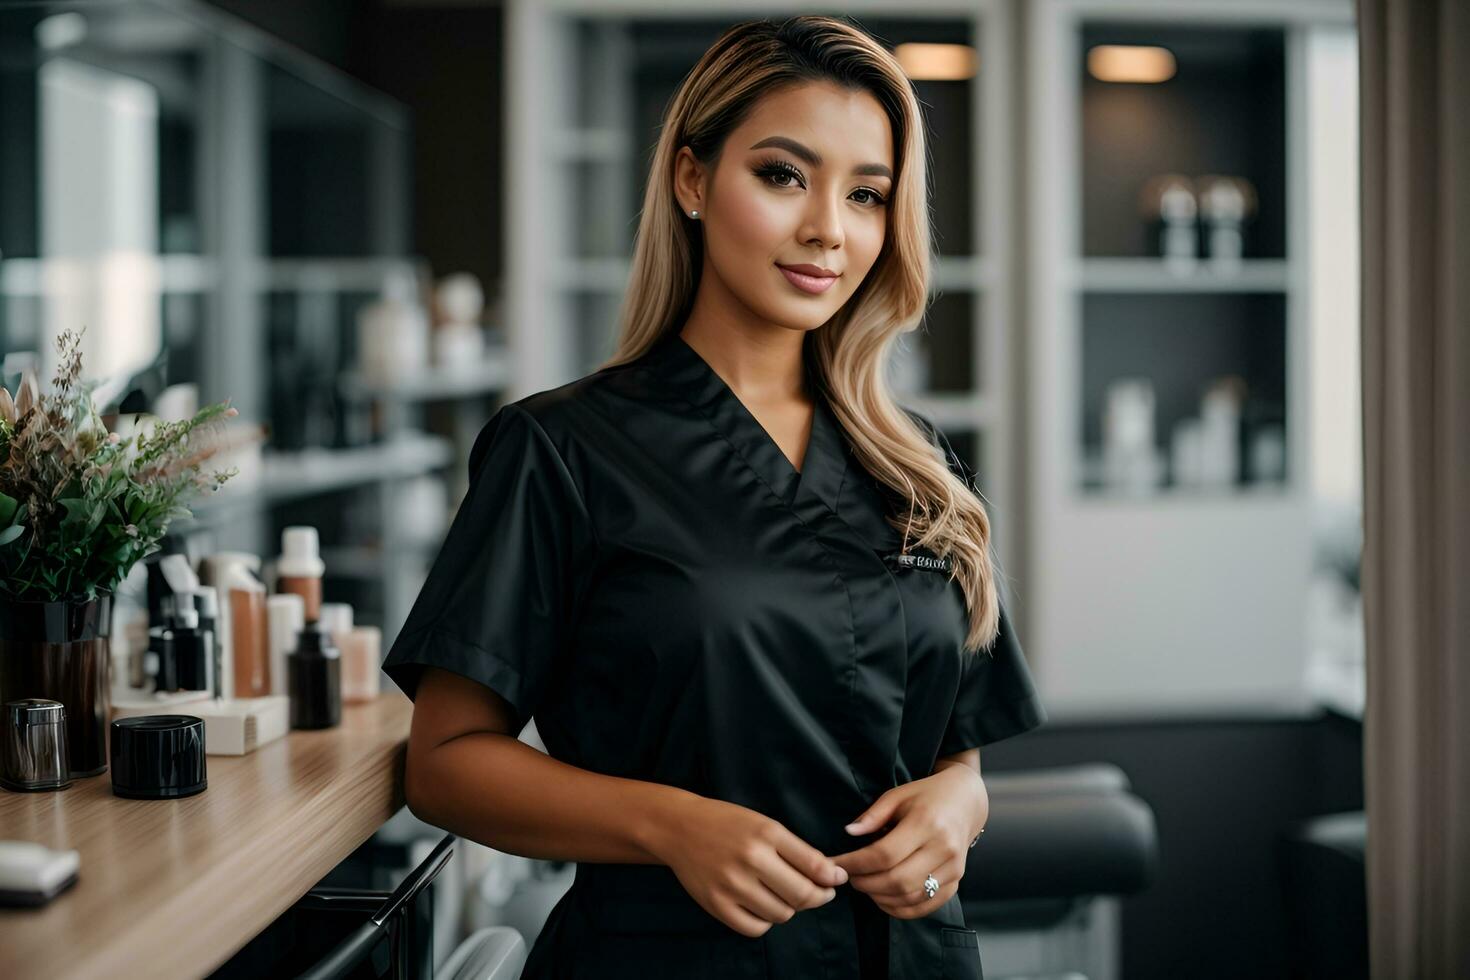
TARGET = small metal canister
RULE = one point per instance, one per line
(33, 752)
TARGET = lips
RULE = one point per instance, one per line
(802, 277)
(807, 269)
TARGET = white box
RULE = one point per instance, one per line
(232, 726)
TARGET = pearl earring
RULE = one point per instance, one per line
(693, 214)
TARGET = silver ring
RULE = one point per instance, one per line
(931, 886)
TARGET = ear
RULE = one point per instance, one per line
(690, 181)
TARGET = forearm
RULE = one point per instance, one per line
(505, 794)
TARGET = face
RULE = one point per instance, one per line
(804, 181)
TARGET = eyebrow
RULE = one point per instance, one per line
(814, 158)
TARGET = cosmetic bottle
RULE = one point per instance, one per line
(360, 646)
(158, 660)
(316, 680)
(193, 648)
(250, 649)
(216, 570)
(180, 654)
(336, 619)
(299, 568)
(287, 615)
(206, 600)
(362, 665)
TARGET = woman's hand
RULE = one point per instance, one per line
(936, 818)
(744, 868)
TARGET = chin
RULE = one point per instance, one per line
(805, 321)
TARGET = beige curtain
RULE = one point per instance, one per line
(1415, 97)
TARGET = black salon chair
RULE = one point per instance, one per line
(1324, 868)
(1043, 887)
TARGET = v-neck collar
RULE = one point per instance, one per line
(825, 464)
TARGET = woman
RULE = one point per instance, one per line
(748, 598)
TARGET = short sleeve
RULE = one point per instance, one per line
(501, 596)
(997, 696)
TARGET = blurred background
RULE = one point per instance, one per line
(369, 223)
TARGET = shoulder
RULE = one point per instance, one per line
(567, 410)
(557, 424)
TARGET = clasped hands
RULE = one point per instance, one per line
(750, 871)
(933, 820)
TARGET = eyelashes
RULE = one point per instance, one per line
(773, 167)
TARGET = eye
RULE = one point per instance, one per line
(773, 169)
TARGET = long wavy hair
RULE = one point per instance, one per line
(939, 510)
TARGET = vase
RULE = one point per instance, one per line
(62, 651)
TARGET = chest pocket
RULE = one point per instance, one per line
(960, 949)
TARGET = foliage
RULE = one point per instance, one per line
(79, 506)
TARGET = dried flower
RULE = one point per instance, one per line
(79, 505)
(29, 394)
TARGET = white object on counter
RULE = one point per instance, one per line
(336, 619)
(218, 567)
(286, 613)
(128, 701)
(31, 873)
(232, 726)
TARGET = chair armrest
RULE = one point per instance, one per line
(1062, 845)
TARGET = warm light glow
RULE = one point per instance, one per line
(938, 62)
(1130, 63)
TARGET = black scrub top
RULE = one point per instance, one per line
(638, 564)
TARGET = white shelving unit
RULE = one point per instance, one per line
(1181, 601)
(202, 99)
(576, 162)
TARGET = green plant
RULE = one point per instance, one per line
(79, 505)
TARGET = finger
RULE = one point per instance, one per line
(753, 895)
(812, 863)
(884, 853)
(741, 919)
(905, 881)
(793, 887)
(876, 816)
(900, 910)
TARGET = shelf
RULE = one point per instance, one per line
(952, 411)
(1151, 275)
(168, 273)
(187, 274)
(287, 476)
(1223, 111)
(349, 274)
(964, 272)
(1204, 497)
(436, 383)
(594, 144)
(367, 561)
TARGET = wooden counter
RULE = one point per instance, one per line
(172, 888)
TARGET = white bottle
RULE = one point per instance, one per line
(286, 612)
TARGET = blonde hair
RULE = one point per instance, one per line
(939, 510)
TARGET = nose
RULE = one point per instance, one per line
(823, 222)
